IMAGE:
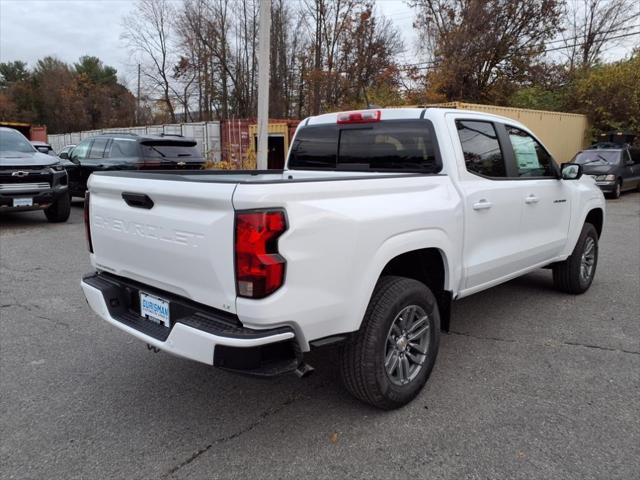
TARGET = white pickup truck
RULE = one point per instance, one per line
(380, 220)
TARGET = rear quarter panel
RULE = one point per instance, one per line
(341, 235)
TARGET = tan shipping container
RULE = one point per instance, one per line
(564, 134)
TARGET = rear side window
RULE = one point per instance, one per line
(481, 148)
(124, 148)
(159, 150)
(315, 147)
(97, 149)
(388, 145)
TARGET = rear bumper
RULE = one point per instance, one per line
(197, 332)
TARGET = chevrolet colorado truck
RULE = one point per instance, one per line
(31, 180)
(379, 221)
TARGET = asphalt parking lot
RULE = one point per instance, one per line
(530, 383)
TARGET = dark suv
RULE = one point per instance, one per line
(125, 151)
(614, 167)
(31, 180)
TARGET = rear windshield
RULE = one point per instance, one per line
(405, 145)
(598, 157)
(160, 149)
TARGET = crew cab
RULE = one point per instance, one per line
(31, 180)
(379, 221)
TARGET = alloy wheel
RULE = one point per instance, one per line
(407, 345)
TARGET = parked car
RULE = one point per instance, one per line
(614, 167)
(43, 147)
(64, 153)
(126, 151)
(380, 219)
(31, 180)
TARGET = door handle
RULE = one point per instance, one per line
(137, 200)
(483, 204)
(531, 199)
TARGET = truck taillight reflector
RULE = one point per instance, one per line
(259, 266)
(366, 116)
(87, 223)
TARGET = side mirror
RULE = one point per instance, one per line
(570, 171)
(64, 155)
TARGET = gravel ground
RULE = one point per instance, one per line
(530, 383)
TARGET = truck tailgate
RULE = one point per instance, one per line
(182, 244)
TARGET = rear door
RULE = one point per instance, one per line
(491, 247)
(94, 160)
(182, 242)
(631, 178)
(545, 200)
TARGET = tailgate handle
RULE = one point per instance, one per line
(137, 200)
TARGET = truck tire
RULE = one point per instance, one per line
(576, 273)
(60, 209)
(391, 357)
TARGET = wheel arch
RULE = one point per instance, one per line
(432, 239)
(595, 217)
(429, 266)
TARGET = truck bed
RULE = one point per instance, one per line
(183, 242)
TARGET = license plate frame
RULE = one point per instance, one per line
(23, 202)
(155, 309)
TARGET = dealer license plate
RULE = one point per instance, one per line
(154, 309)
(23, 202)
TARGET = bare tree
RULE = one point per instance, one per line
(324, 54)
(479, 48)
(591, 25)
(148, 32)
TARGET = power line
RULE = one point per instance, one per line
(563, 47)
(430, 63)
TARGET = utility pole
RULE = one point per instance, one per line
(138, 99)
(264, 48)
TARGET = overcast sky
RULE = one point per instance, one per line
(68, 29)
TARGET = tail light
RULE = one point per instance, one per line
(259, 266)
(87, 223)
(365, 116)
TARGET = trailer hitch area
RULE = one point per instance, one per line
(152, 348)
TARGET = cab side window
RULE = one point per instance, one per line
(481, 148)
(124, 148)
(531, 158)
(98, 147)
